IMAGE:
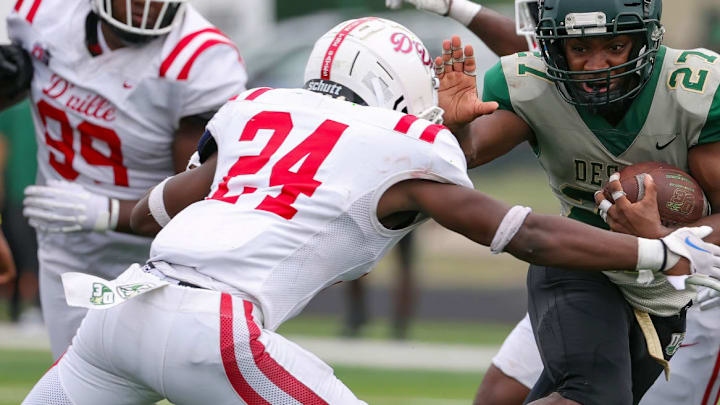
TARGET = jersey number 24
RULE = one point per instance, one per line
(314, 149)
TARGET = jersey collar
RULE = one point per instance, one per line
(617, 139)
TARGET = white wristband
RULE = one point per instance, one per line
(463, 11)
(651, 255)
(156, 203)
(509, 226)
(114, 213)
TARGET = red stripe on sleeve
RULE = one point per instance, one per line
(335, 44)
(185, 72)
(18, 5)
(257, 93)
(31, 15)
(181, 45)
(274, 371)
(404, 124)
(429, 134)
(227, 351)
(711, 383)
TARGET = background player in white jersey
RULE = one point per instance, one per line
(120, 98)
(584, 117)
(297, 191)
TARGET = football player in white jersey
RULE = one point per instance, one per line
(298, 189)
(120, 98)
(521, 85)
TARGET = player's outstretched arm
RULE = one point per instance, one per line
(496, 30)
(172, 196)
(549, 240)
(16, 72)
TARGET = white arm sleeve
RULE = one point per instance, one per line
(509, 226)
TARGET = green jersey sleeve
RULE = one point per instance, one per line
(496, 88)
(711, 130)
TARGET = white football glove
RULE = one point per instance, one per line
(461, 10)
(704, 257)
(708, 298)
(61, 206)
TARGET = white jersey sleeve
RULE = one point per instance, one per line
(204, 62)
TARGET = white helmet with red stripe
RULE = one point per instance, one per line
(146, 17)
(376, 62)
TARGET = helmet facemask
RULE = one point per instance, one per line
(646, 34)
(146, 20)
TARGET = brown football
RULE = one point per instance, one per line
(680, 198)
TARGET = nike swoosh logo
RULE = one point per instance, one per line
(687, 242)
(128, 86)
(663, 146)
(688, 344)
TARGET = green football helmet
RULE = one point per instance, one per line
(560, 20)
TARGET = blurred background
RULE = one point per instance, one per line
(429, 319)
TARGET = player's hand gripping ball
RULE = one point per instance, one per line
(679, 197)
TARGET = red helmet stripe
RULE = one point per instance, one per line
(335, 44)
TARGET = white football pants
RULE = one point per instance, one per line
(191, 346)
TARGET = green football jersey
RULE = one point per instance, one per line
(678, 109)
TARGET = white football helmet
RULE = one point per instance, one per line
(170, 11)
(526, 20)
(375, 62)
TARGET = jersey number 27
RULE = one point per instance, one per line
(314, 149)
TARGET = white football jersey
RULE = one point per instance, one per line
(107, 121)
(292, 208)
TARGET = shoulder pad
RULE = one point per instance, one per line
(185, 44)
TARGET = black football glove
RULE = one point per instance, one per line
(16, 70)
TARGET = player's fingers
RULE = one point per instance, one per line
(446, 56)
(457, 59)
(616, 190)
(483, 108)
(51, 204)
(439, 68)
(599, 197)
(469, 65)
(44, 215)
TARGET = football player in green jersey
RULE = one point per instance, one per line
(602, 94)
